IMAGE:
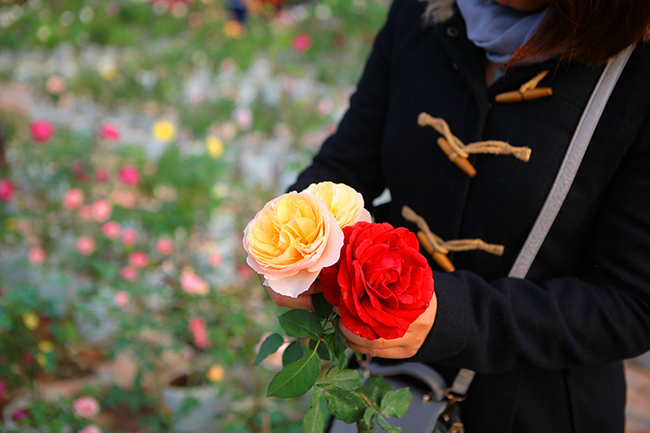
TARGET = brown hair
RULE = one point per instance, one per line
(587, 31)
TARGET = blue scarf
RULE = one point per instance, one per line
(498, 29)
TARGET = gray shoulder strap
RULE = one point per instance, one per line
(571, 163)
(563, 181)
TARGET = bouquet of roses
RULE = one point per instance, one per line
(373, 280)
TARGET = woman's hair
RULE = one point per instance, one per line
(588, 31)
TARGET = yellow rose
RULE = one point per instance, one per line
(31, 320)
(214, 146)
(344, 203)
(41, 359)
(164, 130)
(46, 346)
(290, 240)
(215, 373)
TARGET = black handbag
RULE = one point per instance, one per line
(433, 405)
(432, 408)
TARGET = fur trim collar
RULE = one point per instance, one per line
(438, 11)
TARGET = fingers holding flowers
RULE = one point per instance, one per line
(398, 348)
(301, 302)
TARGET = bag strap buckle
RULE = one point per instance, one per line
(451, 403)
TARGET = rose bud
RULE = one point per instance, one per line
(165, 246)
(138, 259)
(86, 245)
(111, 229)
(109, 132)
(190, 283)
(102, 210)
(122, 299)
(73, 198)
(129, 236)
(36, 255)
(129, 273)
(7, 189)
(101, 175)
(85, 407)
(129, 175)
(41, 130)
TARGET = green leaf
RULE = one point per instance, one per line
(316, 395)
(314, 421)
(374, 388)
(323, 351)
(321, 306)
(296, 378)
(292, 353)
(339, 345)
(347, 379)
(396, 403)
(367, 425)
(301, 323)
(269, 346)
(344, 405)
(386, 425)
(5, 321)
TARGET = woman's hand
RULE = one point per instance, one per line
(302, 302)
(399, 348)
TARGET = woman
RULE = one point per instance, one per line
(547, 349)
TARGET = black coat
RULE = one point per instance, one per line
(548, 348)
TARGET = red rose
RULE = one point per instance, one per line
(381, 283)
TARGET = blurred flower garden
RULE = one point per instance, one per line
(137, 138)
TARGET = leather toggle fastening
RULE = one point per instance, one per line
(527, 92)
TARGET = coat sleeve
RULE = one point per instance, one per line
(600, 317)
(352, 155)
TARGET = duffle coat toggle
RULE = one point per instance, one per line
(527, 92)
(457, 152)
(439, 248)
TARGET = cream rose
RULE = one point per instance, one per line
(343, 202)
(290, 240)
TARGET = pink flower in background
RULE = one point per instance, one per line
(129, 175)
(86, 245)
(3, 389)
(73, 198)
(41, 130)
(193, 284)
(216, 259)
(301, 43)
(101, 175)
(77, 166)
(109, 132)
(199, 333)
(91, 429)
(86, 212)
(138, 259)
(36, 255)
(111, 229)
(102, 210)
(244, 271)
(85, 407)
(129, 273)
(122, 299)
(324, 106)
(55, 84)
(7, 189)
(20, 414)
(243, 117)
(165, 246)
(129, 236)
